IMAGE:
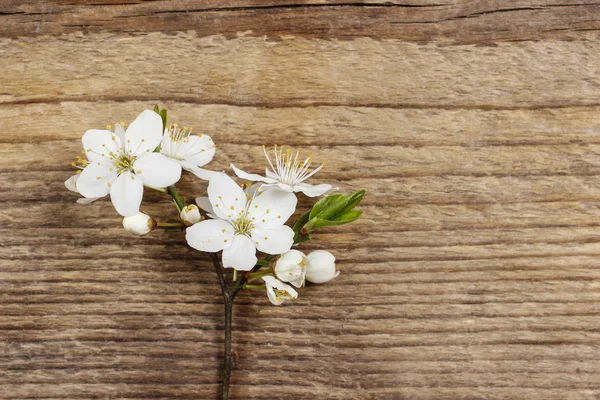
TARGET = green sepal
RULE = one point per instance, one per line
(262, 263)
(163, 115)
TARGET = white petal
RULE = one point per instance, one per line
(204, 204)
(120, 132)
(156, 170)
(227, 198)
(273, 241)
(273, 283)
(144, 134)
(271, 174)
(199, 172)
(272, 208)
(199, 151)
(86, 200)
(249, 177)
(98, 144)
(241, 255)
(313, 190)
(126, 194)
(277, 186)
(95, 179)
(70, 183)
(210, 235)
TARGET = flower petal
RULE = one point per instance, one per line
(98, 144)
(277, 186)
(95, 179)
(250, 177)
(199, 172)
(70, 183)
(120, 132)
(210, 235)
(241, 255)
(272, 208)
(144, 134)
(126, 194)
(273, 241)
(86, 200)
(227, 198)
(313, 190)
(204, 204)
(199, 151)
(156, 170)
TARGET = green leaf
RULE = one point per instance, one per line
(301, 222)
(324, 203)
(157, 109)
(348, 217)
(354, 199)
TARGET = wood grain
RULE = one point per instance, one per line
(473, 126)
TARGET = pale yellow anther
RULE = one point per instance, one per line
(122, 123)
(98, 177)
(108, 127)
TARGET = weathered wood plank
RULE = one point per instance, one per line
(297, 72)
(446, 22)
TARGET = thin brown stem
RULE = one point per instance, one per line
(228, 297)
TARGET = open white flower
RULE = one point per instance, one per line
(190, 151)
(243, 223)
(277, 291)
(291, 267)
(122, 162)
(71, 185)
(288, 173)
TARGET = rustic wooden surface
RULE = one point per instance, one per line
(473, 126)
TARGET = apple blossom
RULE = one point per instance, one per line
(139, 224)
(320, 267)
(189, 151)
(277, 291)
(190, 215)
(122, 162)
(288, 173)
(291, 267)
(243, 224)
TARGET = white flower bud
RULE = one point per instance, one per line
(139, 224)
(321, 267)
(277, 291)
(291, 267)
(190, 215)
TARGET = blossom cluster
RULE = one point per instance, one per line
(243, 222)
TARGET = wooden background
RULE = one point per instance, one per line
(474, 126)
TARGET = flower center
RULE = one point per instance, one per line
(279, 294)
(289, 167)
(177, 138)
(124, 162)
(242, 225)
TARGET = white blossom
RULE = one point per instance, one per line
(139, 224)
(122, 162)
(291, 267)
(190, 151)
(243, 223)
(277, 291)
(71, 185)
(190, 215)
(288, 173)
(320, 267)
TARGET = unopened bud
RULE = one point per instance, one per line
(139, 224)
(190, 215)
(321, 267)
